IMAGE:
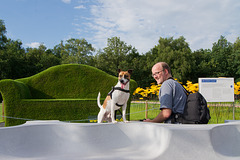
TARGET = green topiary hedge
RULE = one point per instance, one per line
(64, 92)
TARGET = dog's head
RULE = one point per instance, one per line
(124, 77)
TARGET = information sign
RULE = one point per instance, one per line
(217, 89)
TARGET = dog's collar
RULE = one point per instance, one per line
(119, 88)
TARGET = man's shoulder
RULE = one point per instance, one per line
(169, 81)
(168, 85)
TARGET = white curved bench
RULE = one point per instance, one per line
(56, 140)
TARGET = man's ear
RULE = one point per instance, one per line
(130, 71)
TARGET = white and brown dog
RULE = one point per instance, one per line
(116, 98)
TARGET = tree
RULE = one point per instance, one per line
(39, 59)
(176, 53)
(117, 55)
(222, 58)
(75, 51)
(202, 66)
(12, 61)
(236, 52)
(3, 37)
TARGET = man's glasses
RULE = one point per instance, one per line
(156, 73)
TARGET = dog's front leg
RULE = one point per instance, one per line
(113, 112)
(124, 113)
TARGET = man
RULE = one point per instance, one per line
(172, 95)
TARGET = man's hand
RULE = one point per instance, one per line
(147, 120)
(162, 116)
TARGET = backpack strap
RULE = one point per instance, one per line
(187, 92)
(179, 117)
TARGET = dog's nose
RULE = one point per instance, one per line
(122, 81)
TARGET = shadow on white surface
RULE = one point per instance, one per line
(54, 140)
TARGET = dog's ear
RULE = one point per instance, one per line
(119, 70)
(130, 71)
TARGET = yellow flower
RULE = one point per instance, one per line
(153, 90)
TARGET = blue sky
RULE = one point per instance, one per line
(139, 23)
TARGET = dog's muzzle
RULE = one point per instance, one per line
(123, 83)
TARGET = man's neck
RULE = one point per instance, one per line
(169, 77)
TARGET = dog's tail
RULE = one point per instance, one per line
(98, 100)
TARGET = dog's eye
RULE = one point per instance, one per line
(120, 76)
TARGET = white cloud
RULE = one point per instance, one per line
(33, 44)
(79, 7)
(66, 1)
(142, 22)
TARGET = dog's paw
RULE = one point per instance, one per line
(114, 122)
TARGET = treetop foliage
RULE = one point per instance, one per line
(222, 60)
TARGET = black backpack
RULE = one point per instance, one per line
(196, 110)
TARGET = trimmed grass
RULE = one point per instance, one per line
(137, 112)
(1, 118)
(219, 112)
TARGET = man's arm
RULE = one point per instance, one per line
(162, 116)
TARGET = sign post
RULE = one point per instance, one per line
(217, 90)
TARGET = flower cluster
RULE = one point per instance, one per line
(95, 120)
(153, 91)
(148, 92)
(191, 87)
(237, 88)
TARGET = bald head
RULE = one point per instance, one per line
(161, 72)
(163, 65)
